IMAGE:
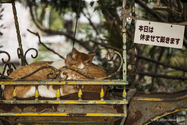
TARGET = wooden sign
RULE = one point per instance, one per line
(159, 34)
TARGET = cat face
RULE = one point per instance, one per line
(85, 58)
(69, 61)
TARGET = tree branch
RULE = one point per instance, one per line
(91, 23)
(162, 76)
(179, 5)
(151, 11)
(166, 65)
(52, 32)
(42, 15)
(45, 45)
(107, 46)
(184, 42)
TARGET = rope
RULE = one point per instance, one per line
(76, 22)
(20, 49)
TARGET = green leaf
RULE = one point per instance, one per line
(92, 3)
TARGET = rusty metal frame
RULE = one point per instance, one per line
(9, 81)
(145, 108)
(61, 122)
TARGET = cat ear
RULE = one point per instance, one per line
(90, 59)
(92, 56)
(75, 51)
(68, 59)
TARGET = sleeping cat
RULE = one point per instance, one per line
(44, 91)
(82, 56)
(50, 90)
(91, 70)
(79, 60)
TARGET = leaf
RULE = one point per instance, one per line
(92, 3)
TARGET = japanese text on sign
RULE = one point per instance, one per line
(159, 34)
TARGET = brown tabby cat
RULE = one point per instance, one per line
(44, 91)
(82, 56)
(89, 69)
(50, 90)
(93, 71)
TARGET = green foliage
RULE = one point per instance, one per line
(112, 22)
(55, 21)
(92, 3)
(61, 5)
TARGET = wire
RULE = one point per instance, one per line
(76, 22)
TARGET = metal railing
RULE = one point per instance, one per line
(5, 80)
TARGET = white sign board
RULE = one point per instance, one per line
(159, 34)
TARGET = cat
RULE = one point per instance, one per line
(77, 55)
(82, 56)
(22, 91)
(44, 91)
(83, 64)
(91, 70)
